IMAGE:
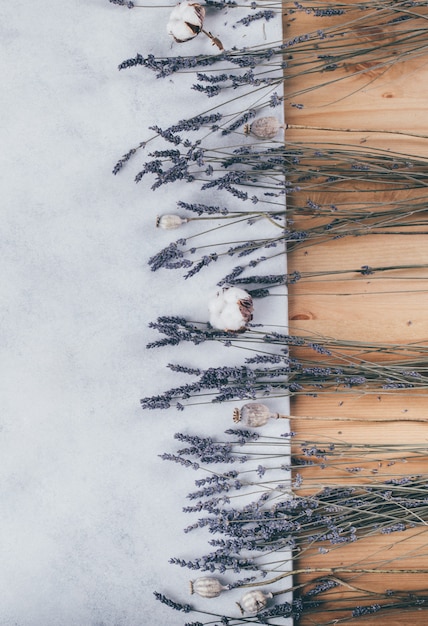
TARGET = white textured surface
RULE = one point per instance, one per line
(89, 514)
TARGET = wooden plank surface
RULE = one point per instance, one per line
(384, 307)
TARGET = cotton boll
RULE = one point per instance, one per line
(231, 309)
(186, 21)
(232, 294)
(193, 13)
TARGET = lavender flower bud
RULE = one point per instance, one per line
(253, 414)
(253, 602)
(206, 587)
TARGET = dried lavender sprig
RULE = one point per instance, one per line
(274, 336)
(273, 373)
(344, 220)
(139, 60)
(325, 40)
(384, 223)
(265, 169)
(177, 606)
(243, 527)
(266, 14)
(271, 81)
(193, 124)
(204, 120)
(332, 516)
(224, 384)
(357, 603)
(204, 209)
(177, 329)
(212, 4)
(123, 3)
(247, 445)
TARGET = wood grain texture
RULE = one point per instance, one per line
(387, 306)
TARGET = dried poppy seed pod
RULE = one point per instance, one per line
(186, 21)
(207, 587)
(253, 602)
(253, 414)
(263, 128)
(170, 221)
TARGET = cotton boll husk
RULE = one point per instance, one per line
(193, 13)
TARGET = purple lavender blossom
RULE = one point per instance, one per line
(260, 15)
(125, 158)
(360, 611)
(275, 100)
(123, 3)
(177, 606)
(171, 257)
(246, 117)
(202, 209)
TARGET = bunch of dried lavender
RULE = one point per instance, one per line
(257, 536)
(356, 217)
(273, 343)
(276, 170)
(260, 535)
(378, 33)
(338, 367)
(214, 4)
(185, 254)
(315, 603)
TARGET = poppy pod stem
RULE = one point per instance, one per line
(324, 418)
(268, 127)
(352, 130)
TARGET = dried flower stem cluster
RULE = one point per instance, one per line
(266, 500)
(254, 517)
(380, 32)
(336, 367)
